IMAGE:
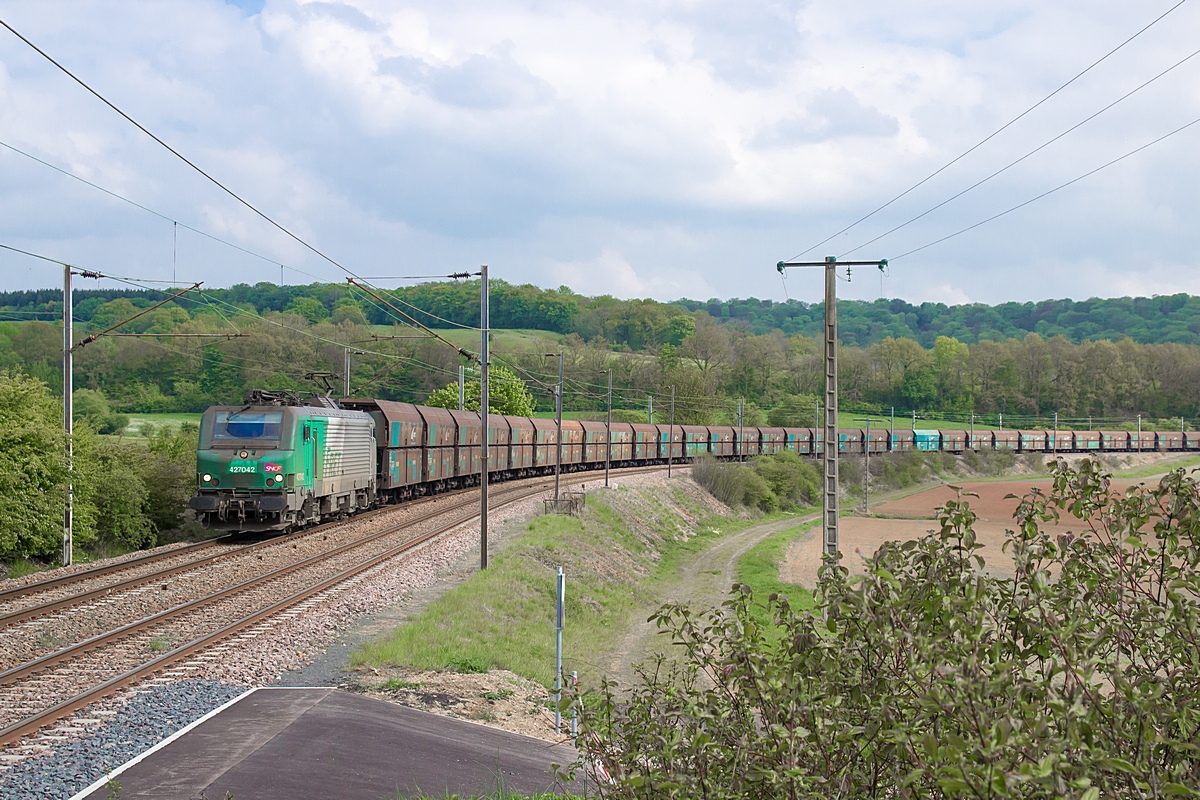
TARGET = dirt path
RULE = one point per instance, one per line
(703, 582)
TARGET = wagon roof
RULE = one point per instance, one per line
(398, 412)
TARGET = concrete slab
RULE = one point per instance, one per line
(288, 743)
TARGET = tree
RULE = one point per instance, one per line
(33, 468)
(308, 307)
(931, 677)
(92, 405)
(507, 394)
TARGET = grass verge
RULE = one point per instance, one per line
(759, 569)
(630, 543)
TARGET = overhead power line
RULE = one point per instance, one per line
(991, 135)
(1032, 152)
(175, 152)
(1048, 192)
(147, 209)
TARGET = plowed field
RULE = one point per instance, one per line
(861, 536)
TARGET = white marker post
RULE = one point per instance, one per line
(558, 632)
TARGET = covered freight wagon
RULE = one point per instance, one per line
(1032, 441)
(645, 442)
(954, 441)
(674, 448)
(1114, 440)
(721, 440)
(773, 440)
(981, 440)
(1006, 440)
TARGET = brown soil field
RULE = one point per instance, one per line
(862, 536)
(991, 505)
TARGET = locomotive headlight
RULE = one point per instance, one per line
(279, 479)
(206, 477)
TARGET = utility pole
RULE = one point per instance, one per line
(741, 449)
(68, 417)
(483, 412)
(650, 409)
(462, 386)
(608, 432)
(816, 423)
(671, 435)
(867, 460)
(347, 367)
(1139, 433)
(1056, 432)
(558, 408)
(1001, 420)
(830, 265)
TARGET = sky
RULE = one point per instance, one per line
(652, 149)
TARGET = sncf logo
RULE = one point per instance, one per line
(272, 467)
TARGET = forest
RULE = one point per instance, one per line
(210, 348)
(649, 323)
(279, 336)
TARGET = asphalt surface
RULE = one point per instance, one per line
(283, 744)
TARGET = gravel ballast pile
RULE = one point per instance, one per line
(137, 725)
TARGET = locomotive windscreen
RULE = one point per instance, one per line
(247, 425)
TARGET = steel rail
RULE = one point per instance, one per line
(95, 572)
(42, 609)
(64, 654)
(49, 715)
(16, 592)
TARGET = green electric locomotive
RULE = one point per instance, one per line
(283, 461)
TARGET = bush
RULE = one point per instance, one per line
(793, 480)
(723, 481)
(91, 405)
(781, 480)
(930, 677)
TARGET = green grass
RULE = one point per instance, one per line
(138, 421)
(759, 569)
(1157, 468)
(502, 339)
(504, 618)
(21, 567)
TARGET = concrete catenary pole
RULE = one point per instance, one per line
(483, 418)
(831, 410)
(671, 435)
(558, 409)
(866, 466)
(68, 418)
(462, 386)
(608, 433)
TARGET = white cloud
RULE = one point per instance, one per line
(670, 140)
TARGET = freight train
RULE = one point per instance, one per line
(284, 461)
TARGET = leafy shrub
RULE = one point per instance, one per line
(781, 480)
(930, 677)
(722, 480)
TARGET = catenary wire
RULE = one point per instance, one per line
(991, 135)
(1048, 192)
(175, 152)
(1032, 152)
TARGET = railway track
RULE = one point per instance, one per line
(41, 690)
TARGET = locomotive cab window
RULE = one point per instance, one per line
(241, 426)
